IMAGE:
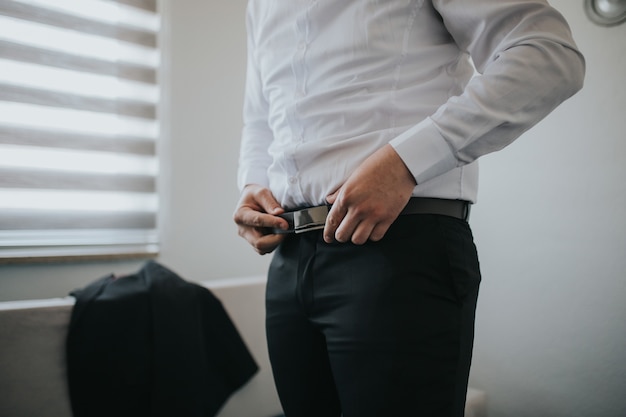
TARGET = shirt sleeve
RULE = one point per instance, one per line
(528, 64)
(257, 136)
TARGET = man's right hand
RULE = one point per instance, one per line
(256, 215)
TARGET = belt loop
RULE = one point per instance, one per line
(468, 209)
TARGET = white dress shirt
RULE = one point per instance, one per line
(331, 81)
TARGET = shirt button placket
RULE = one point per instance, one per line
(300, 91)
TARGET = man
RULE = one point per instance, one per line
(362, 126)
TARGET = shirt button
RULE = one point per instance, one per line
(293, 180)
(301, 46)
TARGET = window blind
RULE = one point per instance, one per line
(78, 128)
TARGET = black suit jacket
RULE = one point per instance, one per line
(152, 344)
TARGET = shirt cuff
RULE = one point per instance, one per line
(252, 176)
(424, 151)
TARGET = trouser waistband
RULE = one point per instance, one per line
(314, 218)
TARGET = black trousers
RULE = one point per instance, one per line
(382, 329)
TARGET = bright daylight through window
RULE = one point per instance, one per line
(78, 128)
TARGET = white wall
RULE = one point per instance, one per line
(207, 71)
(549, 225)
(551, 230)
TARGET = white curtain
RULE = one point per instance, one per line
(78, 128)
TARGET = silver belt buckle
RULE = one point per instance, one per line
(308, 219)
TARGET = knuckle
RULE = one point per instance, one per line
(374, 212)
(331, 221)
(256, 245)
(260, 249)
(256, 220)
(360, 212)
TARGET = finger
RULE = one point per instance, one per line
(346, 228)
(362, 233)
(333, 220)
(261, 242)
(379, 231)
(246, 216)
(268, 203)
(268, 243)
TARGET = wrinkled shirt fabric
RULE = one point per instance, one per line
(444, 82)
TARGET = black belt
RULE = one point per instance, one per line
(314, 218)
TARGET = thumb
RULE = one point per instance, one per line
(269, 203)
(260, 199)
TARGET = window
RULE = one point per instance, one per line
(78, 128)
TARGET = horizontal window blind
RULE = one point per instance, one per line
(79, 95)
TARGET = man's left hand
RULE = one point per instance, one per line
(370, 200)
